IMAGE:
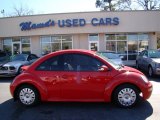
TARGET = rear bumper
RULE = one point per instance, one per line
(147, 91)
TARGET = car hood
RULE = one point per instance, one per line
(130, 69)
(117, 61)
(15, 63)
(157, 60)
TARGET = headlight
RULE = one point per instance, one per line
(144, 78)
(157, 65)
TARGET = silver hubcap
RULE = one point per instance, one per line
(27, 96)
(127, 97)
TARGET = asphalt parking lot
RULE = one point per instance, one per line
(10, 110)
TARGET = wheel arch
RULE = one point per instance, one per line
(109, 92)
(127, 83)
(41, 92)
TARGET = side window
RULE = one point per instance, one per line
(145, 54)
(69, 62)
(87, 63)
(52, 64)
(31, 57)
(141, 53)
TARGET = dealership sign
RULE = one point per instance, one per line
(69, 23)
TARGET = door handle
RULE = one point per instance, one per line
(64, 76)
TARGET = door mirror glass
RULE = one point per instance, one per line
(144, 56)
(103, 68)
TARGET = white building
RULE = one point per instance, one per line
(125, 32)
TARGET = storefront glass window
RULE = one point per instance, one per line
(110, 37)
(46, 39)
(132, 46)
(46, 48)
(7, 45)
(66, 46)
(121, 47)
(16, 39)
(55, 43)
(0, 44)
(158, 42)
(143, 42)
(26, 45)
(127, 45)
(66, 42)
(56, 46)
(121, 37)
(67, 38)
(56, 39)
(93, 37)
(111, 46)
(93, 42)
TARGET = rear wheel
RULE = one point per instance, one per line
(28, 95)
(126, 96)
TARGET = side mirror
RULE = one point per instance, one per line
(103, 68)
(144, 56)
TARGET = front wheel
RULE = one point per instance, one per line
(126, 96)
(28, 95)
(150, 71)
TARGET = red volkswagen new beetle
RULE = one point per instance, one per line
(80, 75)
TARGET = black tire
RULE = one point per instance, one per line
(126, 96)
(19, 70)
(137, 66)
(150, 71)
(28, 95)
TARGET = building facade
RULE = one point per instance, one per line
(126, 32)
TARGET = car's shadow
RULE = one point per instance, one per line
(10, 110)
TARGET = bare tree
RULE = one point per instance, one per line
(21, 11)
(107, 5)
(149, 4)
(112, 5)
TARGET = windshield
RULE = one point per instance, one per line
(154, 54)
(116, 66)
(110, 55)
(20, 57)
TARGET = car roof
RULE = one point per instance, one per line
(73, 51)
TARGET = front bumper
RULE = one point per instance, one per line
(7, 74)
(157, 71)
(147, 91)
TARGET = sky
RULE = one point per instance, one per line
(48, 6)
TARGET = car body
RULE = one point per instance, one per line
(112, 56)
(149, 60)
(13, 67)
(79, 76)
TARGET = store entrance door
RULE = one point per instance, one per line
(94, 45)
(16, 48)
